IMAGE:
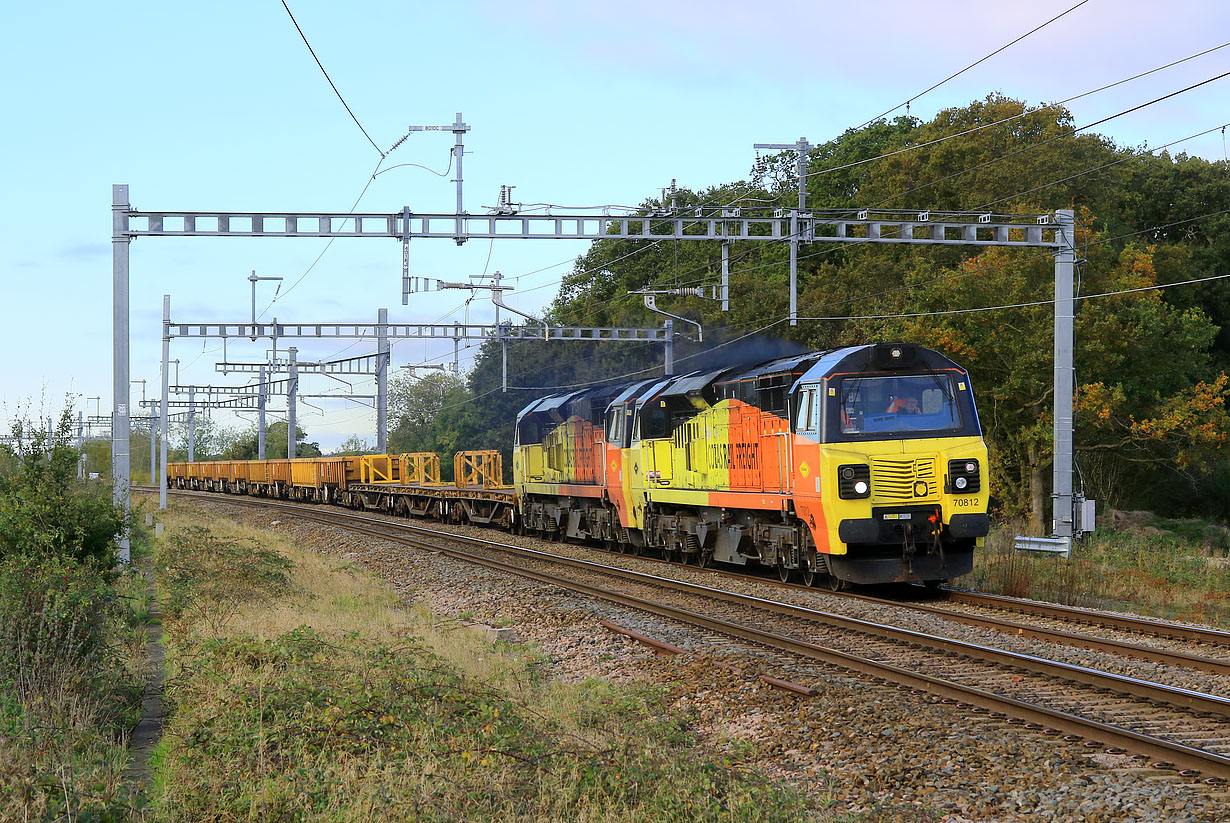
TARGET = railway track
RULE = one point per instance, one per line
(1172, 727)
(1201, 637)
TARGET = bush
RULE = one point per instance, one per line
(53, 615)
(66, 698)
(45, 509)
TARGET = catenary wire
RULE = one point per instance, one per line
(1046, 142)
(330, 79)
(976, 63)
(1010, 118)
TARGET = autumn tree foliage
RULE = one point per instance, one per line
(1150, 362)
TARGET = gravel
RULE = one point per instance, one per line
(857, 746)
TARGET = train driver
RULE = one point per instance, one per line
(905, 404)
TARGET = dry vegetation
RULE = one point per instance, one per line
(1177, 569)
(303, 689)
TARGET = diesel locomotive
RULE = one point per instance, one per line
(864, 464)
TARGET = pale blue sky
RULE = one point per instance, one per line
(220, 106)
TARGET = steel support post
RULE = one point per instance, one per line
(382, 381)
(459, 130)
(191, 425)
(405, 255)
(262, 393)
(166, 377)
(153, 443)
(80, 445)
(504, 361)
(668, 364)
(120, 424)
(292, 396)
(1065, 259)
(725, 275)
(794, 270)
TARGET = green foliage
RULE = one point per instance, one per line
(351, 446)
(210, 578)
(437, 413)
(46, 510)
(67, 696)
(51, 610)
(310, 727)
(244, 445)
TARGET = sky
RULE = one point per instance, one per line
(221, 106)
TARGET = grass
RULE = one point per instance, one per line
(304, 689)
(70, 688)
(1176, 569)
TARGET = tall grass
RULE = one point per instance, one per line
(1172, 569)
(328, 699)
(68, 692)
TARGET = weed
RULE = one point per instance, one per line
(1170, 569)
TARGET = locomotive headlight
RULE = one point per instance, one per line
(853, 481)
(970, 468)
(961, 483)
(895, 353)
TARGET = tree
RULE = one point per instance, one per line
(245, 445)
(415, 406)
(351, 446)
(1150, 363)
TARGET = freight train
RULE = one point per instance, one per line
(863, 464)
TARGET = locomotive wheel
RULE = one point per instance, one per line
(704, 559)
(783, 573)
(809, 577)
(834, 584)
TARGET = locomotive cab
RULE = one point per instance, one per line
(899, 463)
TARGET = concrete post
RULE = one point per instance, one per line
(153, 443)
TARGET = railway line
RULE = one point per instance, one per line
(1180, 728)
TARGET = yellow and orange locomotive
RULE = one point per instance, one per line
(864, 464)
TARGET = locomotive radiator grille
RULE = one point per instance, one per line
(903, 481)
